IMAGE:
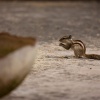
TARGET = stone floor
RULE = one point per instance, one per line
(54, 77)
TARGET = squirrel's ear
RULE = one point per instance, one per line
(70, 36)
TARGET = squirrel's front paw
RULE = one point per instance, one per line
(60, 44)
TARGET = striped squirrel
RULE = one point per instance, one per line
(77, 46)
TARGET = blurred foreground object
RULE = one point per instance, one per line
(17, 56)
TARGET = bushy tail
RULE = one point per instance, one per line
(92, 56)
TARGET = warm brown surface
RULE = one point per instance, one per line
(10, 43)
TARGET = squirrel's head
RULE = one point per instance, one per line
(66, 41)
(65, 38)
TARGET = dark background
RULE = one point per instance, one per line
(51, 0)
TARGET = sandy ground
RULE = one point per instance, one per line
(54, 77)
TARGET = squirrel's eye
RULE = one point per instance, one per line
(70, 36)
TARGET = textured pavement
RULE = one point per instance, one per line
(54, 77)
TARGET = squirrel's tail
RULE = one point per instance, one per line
(92, 56)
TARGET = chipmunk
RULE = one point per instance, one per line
(77, 46)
